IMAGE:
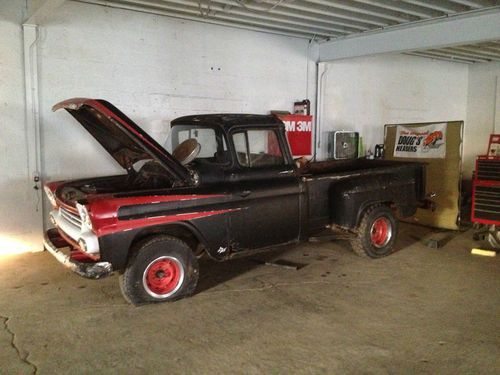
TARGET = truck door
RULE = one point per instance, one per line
(265, 189)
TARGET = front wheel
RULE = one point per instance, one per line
(377, 232)
(162, 268)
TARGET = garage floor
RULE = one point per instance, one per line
(421, 310)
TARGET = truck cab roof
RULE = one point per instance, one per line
(228, 120)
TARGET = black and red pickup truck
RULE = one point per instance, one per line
(228, 187)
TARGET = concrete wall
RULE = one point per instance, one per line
(19, 221)
(154, 68)
(483, 110)
(364, 93)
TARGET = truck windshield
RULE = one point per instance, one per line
(213, 145)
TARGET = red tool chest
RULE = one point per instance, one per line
(486, 185)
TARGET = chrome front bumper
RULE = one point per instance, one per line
(91, 270)
(77, 231)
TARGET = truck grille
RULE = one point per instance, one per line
(488, 170)
(487, 203)
(71, 217)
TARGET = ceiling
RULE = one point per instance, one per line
(324, 20)
(312, 19)
(467, 53)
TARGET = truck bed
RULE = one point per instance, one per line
(372, 176)
(348, 166)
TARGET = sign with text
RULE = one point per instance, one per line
(426, 142)
(299, 133)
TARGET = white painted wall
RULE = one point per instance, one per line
(154, 68)
(20, 226)
(364, 93)
(483, 109)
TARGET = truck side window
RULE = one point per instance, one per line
(258, 148)
(213, 145)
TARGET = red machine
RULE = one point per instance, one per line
(486, 192)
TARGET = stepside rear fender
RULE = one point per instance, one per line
(351, 196)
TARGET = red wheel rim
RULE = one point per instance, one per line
(381, 232)
(163, 277)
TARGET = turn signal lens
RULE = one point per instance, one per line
(82, 244)
(50, 196)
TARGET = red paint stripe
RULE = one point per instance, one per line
(99, 200)
(104, 212)
(123, 225)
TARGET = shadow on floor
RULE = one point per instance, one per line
(214, 273)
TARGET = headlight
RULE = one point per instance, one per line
(84, 214)
(50, 196)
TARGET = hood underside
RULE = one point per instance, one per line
(124, 140)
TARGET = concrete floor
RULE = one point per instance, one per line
(419, 311)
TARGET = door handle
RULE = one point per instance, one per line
(245, 193)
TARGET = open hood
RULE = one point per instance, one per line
(126, 142)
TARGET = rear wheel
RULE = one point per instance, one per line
(377, 232)
(162, 268)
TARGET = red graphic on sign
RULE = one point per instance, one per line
(433, 138)
(299, 133)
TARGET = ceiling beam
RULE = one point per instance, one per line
(454, 56)
(328, 10)
(442, 6)
(363, 9)
(217, 10)
(40, 10)
(217, 7)
(472, 53)
(473, 27)
(476, 4)
(335, 22)
(479, 48)
(186, 16)
(179, 7)
(434, 57)
(399, 6)
(457, 55)
(486, 47)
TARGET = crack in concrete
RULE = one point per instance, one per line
(24, 358)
